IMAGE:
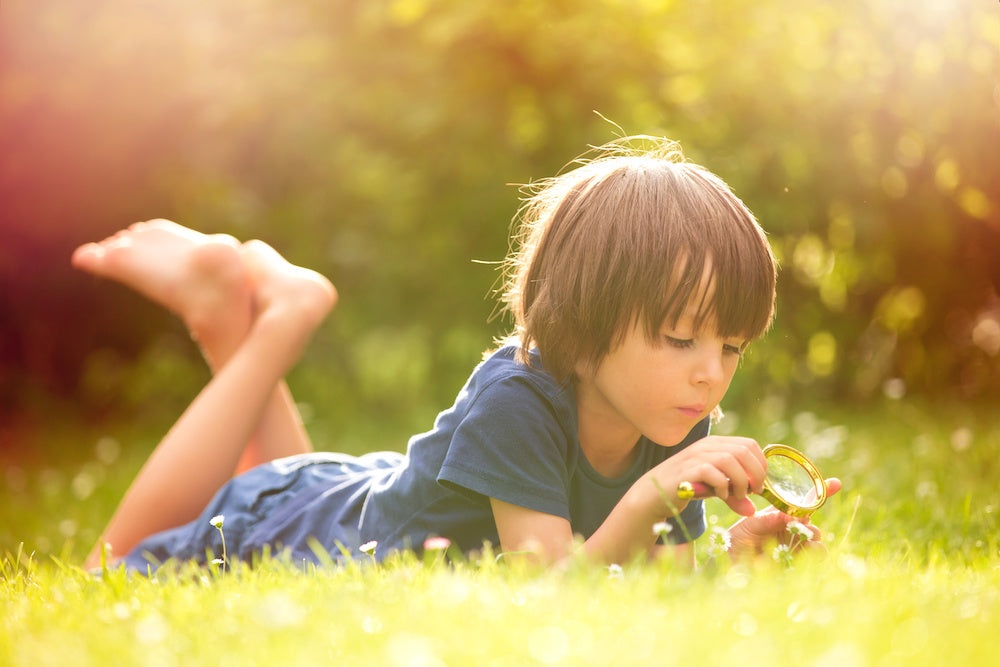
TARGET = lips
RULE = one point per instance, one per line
(692, 410)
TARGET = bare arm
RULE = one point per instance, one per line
(627, 532)
(732, 467)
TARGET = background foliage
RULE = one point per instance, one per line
(377, 141)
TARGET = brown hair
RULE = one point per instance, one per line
(625, 238)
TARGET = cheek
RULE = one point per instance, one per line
(730, 374)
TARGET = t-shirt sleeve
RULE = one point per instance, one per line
(510, 446)
(688, 526)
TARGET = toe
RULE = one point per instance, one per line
(88, 257)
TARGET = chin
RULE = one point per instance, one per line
(670, 437)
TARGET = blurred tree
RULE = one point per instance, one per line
(377, 141)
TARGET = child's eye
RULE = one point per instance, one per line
(733, 349)
(679, 343)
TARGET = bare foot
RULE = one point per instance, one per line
(299, 298)
(200, 278)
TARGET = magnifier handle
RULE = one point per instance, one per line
(689, 490)
(697, 490)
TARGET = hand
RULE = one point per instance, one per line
(751, 534)
(730, 468)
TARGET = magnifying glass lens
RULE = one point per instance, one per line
(790, 481)
(793, 484)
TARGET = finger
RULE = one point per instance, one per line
(756, 465)
(743, 506)
(752, 465)
(747, 450)
(833, 485)
(757, 473)
(722, 471)
(815, 548)
(731, 466)
(745, 472)
(716, 479)
(750, 446)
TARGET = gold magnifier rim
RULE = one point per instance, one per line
(817, 477)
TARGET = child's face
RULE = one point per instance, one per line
(660, 388)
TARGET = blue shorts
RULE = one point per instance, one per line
(279, 505)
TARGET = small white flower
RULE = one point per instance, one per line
(217, 521)
(721, 536)
(369, 547)
(615, 571)
(662, 528)
(719, 541)
(798, 528)
(218, 561)
(782, 555)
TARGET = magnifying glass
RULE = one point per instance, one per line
(793, 484)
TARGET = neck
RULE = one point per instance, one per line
(609, 444)
(609, 463)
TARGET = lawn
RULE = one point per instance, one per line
(912, 576)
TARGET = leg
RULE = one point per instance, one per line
(203, 280)
(280, 432)
(170, 489)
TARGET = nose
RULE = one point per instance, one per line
(708, 369)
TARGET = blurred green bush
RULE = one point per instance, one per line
(377, 141)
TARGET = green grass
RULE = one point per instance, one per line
(912, 577)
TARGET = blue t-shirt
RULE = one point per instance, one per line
(511, 435)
